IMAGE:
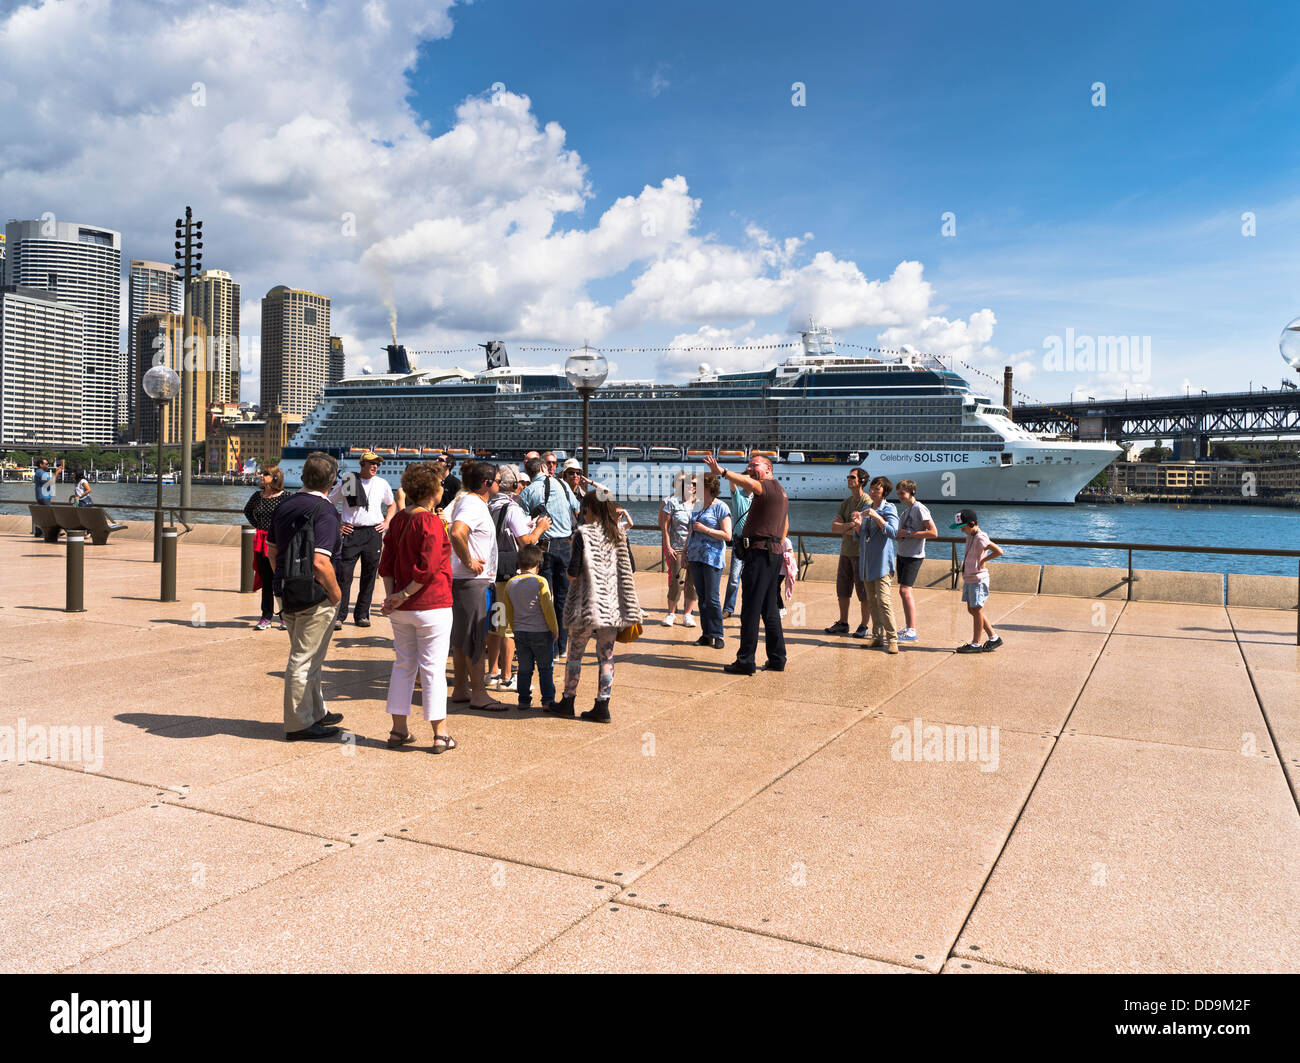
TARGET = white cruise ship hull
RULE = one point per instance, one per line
(1040, 473)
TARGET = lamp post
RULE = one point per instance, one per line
(586, 370)
(161, 385)
(1289, 344)
(189, 257)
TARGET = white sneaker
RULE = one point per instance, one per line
(689, 621)
(511, 684)
(494, 681)
(908, 634)
(670, 620)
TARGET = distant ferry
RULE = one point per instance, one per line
(816, 415)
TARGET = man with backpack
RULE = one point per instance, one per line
(549, 496)
(301, 546)
(513, 530)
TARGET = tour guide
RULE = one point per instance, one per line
(763, 545)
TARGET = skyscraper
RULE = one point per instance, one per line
(40, 369)
(159, 340)
(295, 349)
(336, 360)
(82, 265)
(214, 300)
(152, 288)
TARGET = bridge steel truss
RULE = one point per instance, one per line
(1244, 413)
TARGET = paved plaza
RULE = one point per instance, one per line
(1114, 790)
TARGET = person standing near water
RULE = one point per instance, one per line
(914, 528)
(44, 479)
(259, 511)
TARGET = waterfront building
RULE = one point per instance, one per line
(41, 372)
(152, 288)
(337, 363)
(82, 265)
(232, 441)
(214, 300)
(1262, 481)
(295, 349)
(160, 339)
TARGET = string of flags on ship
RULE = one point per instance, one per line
(760, 347)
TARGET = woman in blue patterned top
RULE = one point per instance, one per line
(709, 534)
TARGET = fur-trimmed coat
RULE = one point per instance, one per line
(602, 591)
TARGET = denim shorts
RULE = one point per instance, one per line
(975, 594)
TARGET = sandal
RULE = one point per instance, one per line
(491, 706)
(458, 701)
(398, 739)
(443, 743)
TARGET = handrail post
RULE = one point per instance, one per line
(952, 571)
(1128, 583)
(157, 535)
(168, 590)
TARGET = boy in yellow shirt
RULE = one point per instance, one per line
(530, 612)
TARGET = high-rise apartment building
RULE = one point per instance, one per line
(160, 340)
(41, 389)
(336, 360)
(152, 288)
(82, 266)
(214, 299)
(295, 349)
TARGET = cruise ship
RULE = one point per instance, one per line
(817, 414)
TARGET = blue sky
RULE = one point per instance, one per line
(1123, 219)
(361, 150)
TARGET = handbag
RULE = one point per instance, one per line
(630, 633)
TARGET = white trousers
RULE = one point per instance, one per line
(420, 640)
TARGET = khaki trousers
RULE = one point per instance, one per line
(880, 601)
(309, 639)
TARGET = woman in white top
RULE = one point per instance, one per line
(914, 528)
(81, 496)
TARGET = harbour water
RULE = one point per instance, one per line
(1205, 525)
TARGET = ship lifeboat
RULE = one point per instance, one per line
(356, 452)
(594, 452)
(408, 452)
(696, 452)
(771, 455)
(627, 452)
(430, 451)
(386, 450)
(459, 453)
(723, 455)
(665, 453)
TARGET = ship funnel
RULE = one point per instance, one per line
(1006, 389)
(398, 360)
(496, 354)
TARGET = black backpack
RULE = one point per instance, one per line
(507, 550)
(300, 590)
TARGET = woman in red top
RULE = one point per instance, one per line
(416, 568)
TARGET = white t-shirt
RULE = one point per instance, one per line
(914, 520)
(379, 496)
(472, 511)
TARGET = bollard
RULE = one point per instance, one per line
(76, 571)
(168, 593)
(246, 537)
(157, 535)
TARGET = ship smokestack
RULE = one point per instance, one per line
(398, 360)
(1006, 389)
(496, 354)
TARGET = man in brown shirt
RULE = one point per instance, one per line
(763, 541)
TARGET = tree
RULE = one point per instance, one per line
(1156, 453)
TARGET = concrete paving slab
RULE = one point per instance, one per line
(960, 966)
(1051, 614)
(1264, 625)
(617, 806)
(855, 850)
(1279, 696)
(620, 939)
(1182, 621)
(1208, 705)
(37, 799)
(1169, 652)
(383, 906)
(84, 891)
(1138, 857)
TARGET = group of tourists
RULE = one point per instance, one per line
(508, 572)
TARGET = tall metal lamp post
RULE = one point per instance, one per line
(586, 370)
(161, 385)
(189, 258)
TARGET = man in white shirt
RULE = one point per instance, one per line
(368, 506)
(473, 574)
